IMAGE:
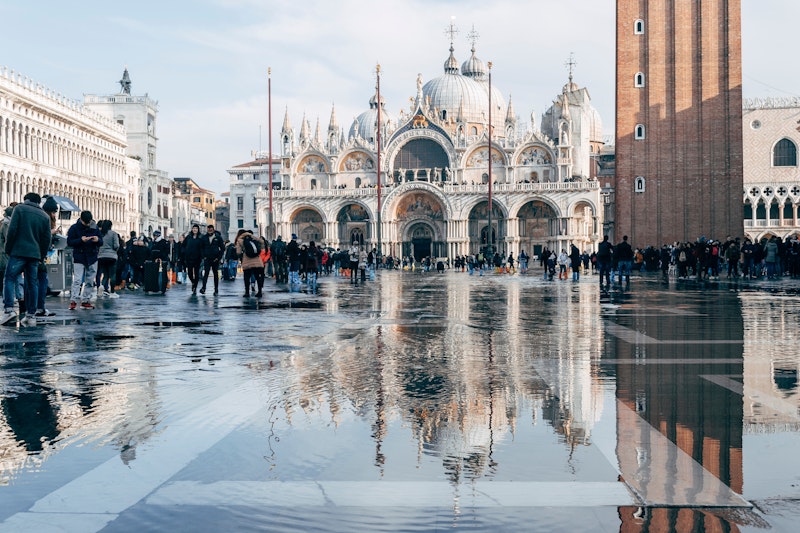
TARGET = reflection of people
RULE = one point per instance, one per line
(29, 413)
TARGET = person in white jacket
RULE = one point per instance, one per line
(563, 261)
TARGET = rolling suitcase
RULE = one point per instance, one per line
(155, 279)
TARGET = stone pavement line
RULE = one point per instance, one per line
(402, 494)
(632, 336)
(661, 473)
(94, 499)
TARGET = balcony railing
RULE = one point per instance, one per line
(447, 189)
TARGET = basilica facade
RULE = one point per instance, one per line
(435, 163)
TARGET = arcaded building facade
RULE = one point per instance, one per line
(52, 145)
(771, 174)
(679, 169)
(435, 161)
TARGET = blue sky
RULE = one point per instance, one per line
(205, 61)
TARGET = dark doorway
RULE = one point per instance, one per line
(421, 248)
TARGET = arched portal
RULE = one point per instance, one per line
(479, 228)
(307, 224)
(537, 227)
(353, 222)
(420, 217)
(419, 241)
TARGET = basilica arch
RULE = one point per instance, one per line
(476, 165)
(419, 216)
(307, 223)
(479, 227)
(353, 224)
(538, 227)
(420, 151)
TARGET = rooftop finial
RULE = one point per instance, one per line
(451, 31)
(473, 36)
(571, 64)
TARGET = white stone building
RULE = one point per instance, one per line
(435, 171)
(246, 180)
(52, 145)
(771, 173)
(138, 115)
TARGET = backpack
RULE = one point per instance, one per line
(251, 247)
(682, 256)
(279, 250)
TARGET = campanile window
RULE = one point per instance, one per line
(638, 27)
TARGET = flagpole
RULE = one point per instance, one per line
(378, 141)
(270, 230)
(491, 232)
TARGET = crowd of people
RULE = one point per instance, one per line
(104, 262)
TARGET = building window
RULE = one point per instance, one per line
(254, 203)
(784, 154)
(639, 184)
(639, 132)
(638, 80)
(255, 224)
(240, 223)
(149, 197)
(638, 27)
(240, 177)
(239, 203)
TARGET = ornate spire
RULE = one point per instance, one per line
(286, 126)
(318, 134)
(304, 127)
(333, 125)
(511, 117)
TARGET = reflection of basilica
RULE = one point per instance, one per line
(461, 390)
(434, 167)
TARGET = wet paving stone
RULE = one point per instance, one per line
(415, 402)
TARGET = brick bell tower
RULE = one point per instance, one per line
(678, 120)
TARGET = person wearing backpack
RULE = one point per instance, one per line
(249, 248)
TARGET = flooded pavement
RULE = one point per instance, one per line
(418, 402)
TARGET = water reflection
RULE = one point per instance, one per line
(459, 365)
(57, 393)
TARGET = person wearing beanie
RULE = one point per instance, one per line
(50, 205)
(27, 242)
(85, 240)
(192, 254)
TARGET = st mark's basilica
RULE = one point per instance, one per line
(435, 170)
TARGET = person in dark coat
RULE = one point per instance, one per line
(212, 249)
(575, 262)
(26, 244)
(85, 240)
(192, 253)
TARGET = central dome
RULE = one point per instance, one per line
(464, 95)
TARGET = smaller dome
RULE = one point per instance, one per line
(451, 64)
(364, 124)
(474, 67)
